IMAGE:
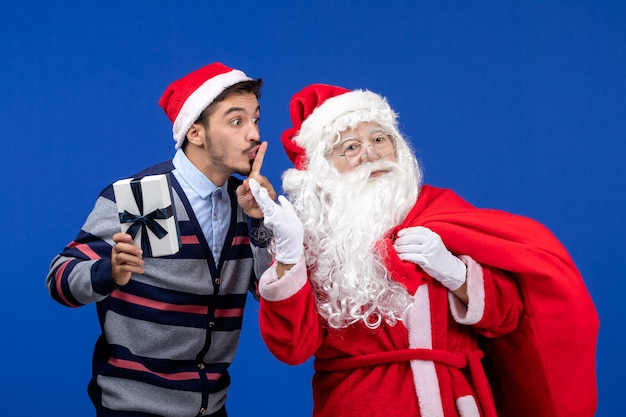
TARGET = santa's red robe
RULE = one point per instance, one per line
(429, 364)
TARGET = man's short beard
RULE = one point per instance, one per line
(352, 213)
(244, 172)
(219, 159)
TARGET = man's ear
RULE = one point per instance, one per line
(196, 134)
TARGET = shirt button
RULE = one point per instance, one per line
(211, 324)
(200, 366)
(202, 410)
(218, 281)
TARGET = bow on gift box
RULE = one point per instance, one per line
(144, 222)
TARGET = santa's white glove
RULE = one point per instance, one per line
(285, 225)
(425, 248)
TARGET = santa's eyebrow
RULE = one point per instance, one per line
(369, 132)
(377, 130)
(347, 138)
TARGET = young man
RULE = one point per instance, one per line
(170, 325)
(391, 284)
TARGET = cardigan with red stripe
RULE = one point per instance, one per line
(170, 334)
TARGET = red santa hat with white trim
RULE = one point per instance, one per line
(320, 111)
(186, 98)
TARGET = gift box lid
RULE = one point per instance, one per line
(147, 213)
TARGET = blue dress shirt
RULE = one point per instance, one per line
(209, 202)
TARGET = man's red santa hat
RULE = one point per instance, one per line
(322, 110)
(186, 98)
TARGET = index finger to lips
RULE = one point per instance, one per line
(258, 160)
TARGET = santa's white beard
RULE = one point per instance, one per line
(341, 232)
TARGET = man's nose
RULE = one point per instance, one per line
(253, 133)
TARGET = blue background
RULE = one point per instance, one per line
(518, 106)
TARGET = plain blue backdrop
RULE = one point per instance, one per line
(516, 105)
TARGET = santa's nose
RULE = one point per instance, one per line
(369, 156)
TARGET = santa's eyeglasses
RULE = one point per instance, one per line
(356, 152)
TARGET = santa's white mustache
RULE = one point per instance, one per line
(363, 172)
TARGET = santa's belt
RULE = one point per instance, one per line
(454, 359)
(469, 358)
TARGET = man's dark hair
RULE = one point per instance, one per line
(243, 87)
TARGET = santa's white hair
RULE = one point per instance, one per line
(346, 215)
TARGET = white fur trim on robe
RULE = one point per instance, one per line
(467, 406)
(425, 378)
(273, 289)
(475, 309)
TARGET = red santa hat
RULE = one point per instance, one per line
(185, 99)
(320, 110)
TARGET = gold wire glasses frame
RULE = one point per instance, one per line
(356, 152)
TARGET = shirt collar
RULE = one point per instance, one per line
(198, 182)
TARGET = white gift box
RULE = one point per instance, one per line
(147, 213)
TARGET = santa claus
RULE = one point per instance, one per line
(396, 288)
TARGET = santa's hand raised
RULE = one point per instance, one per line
(425, 248)
(285, 225)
